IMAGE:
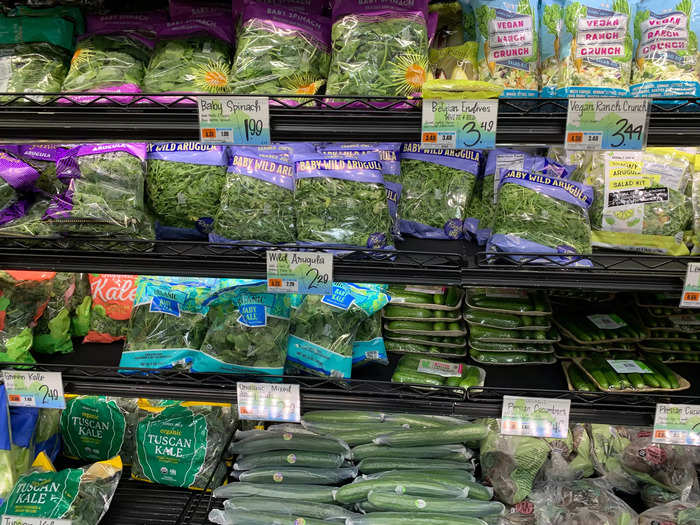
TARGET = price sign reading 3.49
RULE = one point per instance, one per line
(459, 124)
(607, 123)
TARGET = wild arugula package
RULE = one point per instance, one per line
(257, 200)
(112, 302)
(324, 328)
(43, 158)
(191, 56)
(53, 330)
(536, 213)
(104, 192)
(280, 51)
(17, 178)
(389, 154)
(25, 218)
(184, 181)
(34, 54)
(437, 185)
(509, 45)
(81, 495)
(168, 322)
(379, 49)
(341, 200)
(247, 331)
(181, 445)
(666, 49)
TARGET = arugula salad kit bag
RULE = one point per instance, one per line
(184, 181)
(43, 158)
(436, 185)
(112, 302)
(341, 200)
(81, 495)
(257, 200)
(379, 49)
(168, 322)
(280, 50)
(247, 331)
(324, 327)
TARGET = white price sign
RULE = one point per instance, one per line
(535, 416)
(268, 402)
(677, 424)
(24, 520)
(629, 366)
(607, 123)
(34, 389)
(691, 287)
(299, 272)
(234, 120)
(459, 124)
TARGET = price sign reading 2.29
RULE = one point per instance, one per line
(607, 123)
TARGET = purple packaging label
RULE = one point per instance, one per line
(219, 27)
(61, 205)
(190, 9)
(12, 149)
(389, 153)
(432, 26)
(17, 173)
(467, 160)
(42, 152)
(364, 168)
(393, 195)
(116, 23)
(14, 211)
(452, 230)
(275, 171)
(349, 7)
(96, 99)
(68, 168)
(188, 153)
(513, 244)
(561, 189)
(313, 7)
(318, 27)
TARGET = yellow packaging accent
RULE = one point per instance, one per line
(638, 242)
(460, 89)
(43, 462)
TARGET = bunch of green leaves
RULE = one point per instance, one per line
(105, 61)
(536, 217)
(180, 193)
(101, 323)
(47, 181)
(370, 328)
(52, 333)
(8, 195)
(378, 56)
(271, 60)
(340, 211)
(434, 194)
(37, 67)
(31, 224)
(80, 305)
(476, 207)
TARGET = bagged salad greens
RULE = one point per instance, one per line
(191, 56)
(368, 346)
(551, 22)
(47, 438)
(81, 495)
(184, 181)
(280, 50)
(324, 327)
(674, 512)
(608, 442)
(580, 160)
(257, 200)
(453, 51)
(509, 45)
(247, 331)
(181, 444)
(187, 9)
(16, 179)
(104, 191)
(24, 427)
(379, 49)
(43, 158)
(437, 185)
(168, 322)
(112, 302)
(665, 49)
(341, 200)
(25, 218)
(53, 330)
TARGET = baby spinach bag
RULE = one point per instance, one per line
(184, 180)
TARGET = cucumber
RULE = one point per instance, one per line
(636, 380)
(298, 475)
(578, 380)
(407, 311)
(454, 478)
(372, 465)
(241, 517)
(441, 314)
(321, 511)
(450, 435)
(463, 507)
(438, 451)
(651, 380)
(298, 458)
(451, 296)
(454, 326)
(402, 375)
(592, 368)
(493, 319)
(402, 518)
(410, 325)
(439, 299)
(332, 428)
(314, 493)
(358, 490)
(402, 296)
(343, 416)
(662, 369)
(423, 420)
(288, 441)
(472, 377)
(440, 327)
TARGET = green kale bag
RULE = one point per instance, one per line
(247, 331)
(53, 330)
(168, 322)
(82, 495)
(184, 180)
(181, 445)
(324, 328)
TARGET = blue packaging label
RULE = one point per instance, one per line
(314, 357)
(169, 358)
(207, 363)
(252, 315)
(165, 305)
(368, 351)
(339, 298)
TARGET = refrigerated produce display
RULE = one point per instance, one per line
(133, 260)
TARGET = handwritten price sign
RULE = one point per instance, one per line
(299, 272)
(34, 389)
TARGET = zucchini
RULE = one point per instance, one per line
(298, 475)
(321, 511)
(402, 518)
(298, 458)
(373, 465)
(463, 507)
(438, 451)
(446, 436)
(314, 493)
(242, 517)
(358, 489)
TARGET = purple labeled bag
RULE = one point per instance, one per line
(16, 178)
(389, 153)
(188, 9)
(312, 7)
(43, 158)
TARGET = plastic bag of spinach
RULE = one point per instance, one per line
(184, 180)
(368, 346)
(257, 201)
(324, 328)
(168, 322)
(104, 191)
(247, 331)
(378, 50)
(536, 213)
(181, 444)
(192, 56)
(53, 330)
(280, 51)
(437, 186)
(341, 200)
(43, 158)
(81, 495)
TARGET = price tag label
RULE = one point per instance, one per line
(535, 416)
(629, 366)
(299, 272)
(234, 120)
(607, 123)
(607, 322)
(677, 424)
(269, 402)
(459, 124)
(691, 287)
(428, 366)
(24, 520)
(34, 389)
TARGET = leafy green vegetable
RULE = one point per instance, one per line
(52, 333)
(36, 67)
(43, 159)
(30, 224)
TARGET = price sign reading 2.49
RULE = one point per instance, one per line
(234, 120)
(34, 389)
(459, 124)
(607, 123)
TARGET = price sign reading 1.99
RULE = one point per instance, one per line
(607, 123)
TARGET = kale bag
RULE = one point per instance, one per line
(53, 330)
(437, 186)
(184, 181)
(341, 201)
(112, 302)
(247, 331)
(280, 51)
(257, 201)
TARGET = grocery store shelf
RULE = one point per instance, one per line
(110, 117)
